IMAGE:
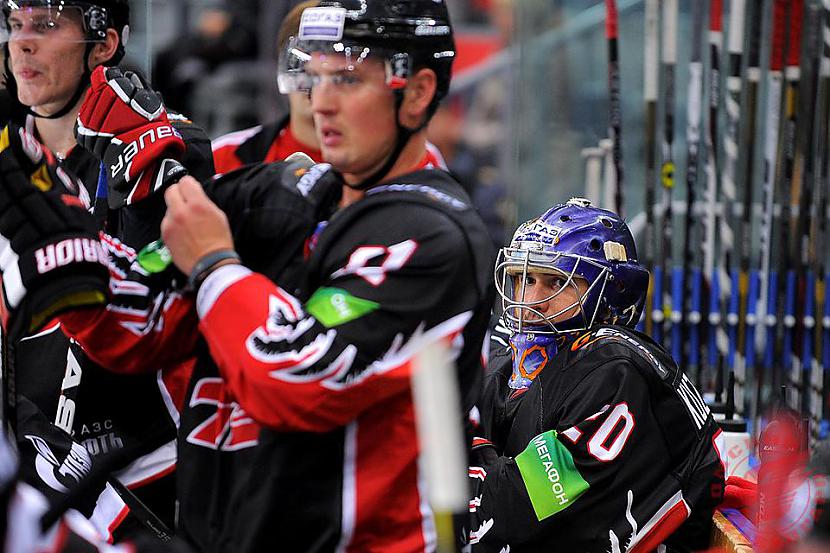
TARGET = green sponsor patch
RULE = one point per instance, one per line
(549, 474)
(334, 307)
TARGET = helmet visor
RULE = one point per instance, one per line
(53, 21)
(306, 64)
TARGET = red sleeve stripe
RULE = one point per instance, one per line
(665, 521)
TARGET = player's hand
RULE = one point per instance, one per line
(193, 226)
(50, 256)
(125, 124)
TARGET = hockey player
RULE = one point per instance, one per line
(591, 438)
(52, 50)
(325, 370)
(273, 141)
(294, 133)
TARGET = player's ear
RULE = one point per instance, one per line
(104, 50)
(418, 95)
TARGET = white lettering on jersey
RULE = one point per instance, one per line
(76, 465)
(65, 416)
(394, 257)
(698, 410)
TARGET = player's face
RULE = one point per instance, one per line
(46, 57)
(550, 294)
(354, 114)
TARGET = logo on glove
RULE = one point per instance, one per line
(150, 136)
(71, 250)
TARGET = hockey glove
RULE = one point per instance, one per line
(50, 254)
(124, 124)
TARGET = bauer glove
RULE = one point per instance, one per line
(124, 124)
(50, 256)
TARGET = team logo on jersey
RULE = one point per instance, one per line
(60, 475)
(229, 428)
(583, 341)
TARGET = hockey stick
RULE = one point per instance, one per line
(8, 375)
(712, 173)
(768, 293)
(669, 61)
(691, 272)
(615, 101)
(650, 67)
(789, 189)
(821, 369)
(809, 153)
(99, 475)
(750, 277)
(807, 226)
(728, 228)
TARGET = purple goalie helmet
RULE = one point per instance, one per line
(580, 252)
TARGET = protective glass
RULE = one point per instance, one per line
(52, 20)
(343, 65)
(517, 268)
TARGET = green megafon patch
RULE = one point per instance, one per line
(553, 483)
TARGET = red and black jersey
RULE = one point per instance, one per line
(611, 448)
(324, 369)
(101, 410)
(267, 143)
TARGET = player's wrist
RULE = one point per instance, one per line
(210, 262)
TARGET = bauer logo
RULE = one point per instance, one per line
(151, 136)
(71, 250)
(322, 24)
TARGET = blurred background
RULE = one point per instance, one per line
(530, 88)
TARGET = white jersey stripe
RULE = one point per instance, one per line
(234, 138)
(349, 492)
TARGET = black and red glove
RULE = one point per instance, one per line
(125, 125)
(51, 258)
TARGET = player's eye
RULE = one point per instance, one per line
(557, 283)
(346, 78)
(44, 25)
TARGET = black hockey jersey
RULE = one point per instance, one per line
(611, 448)
(328, 378)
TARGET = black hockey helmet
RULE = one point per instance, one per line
(406, 34)
(413, 33)
(419, 28)
(95, 16)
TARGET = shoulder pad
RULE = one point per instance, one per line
(608, 336)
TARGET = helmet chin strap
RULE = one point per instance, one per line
(83, 83)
